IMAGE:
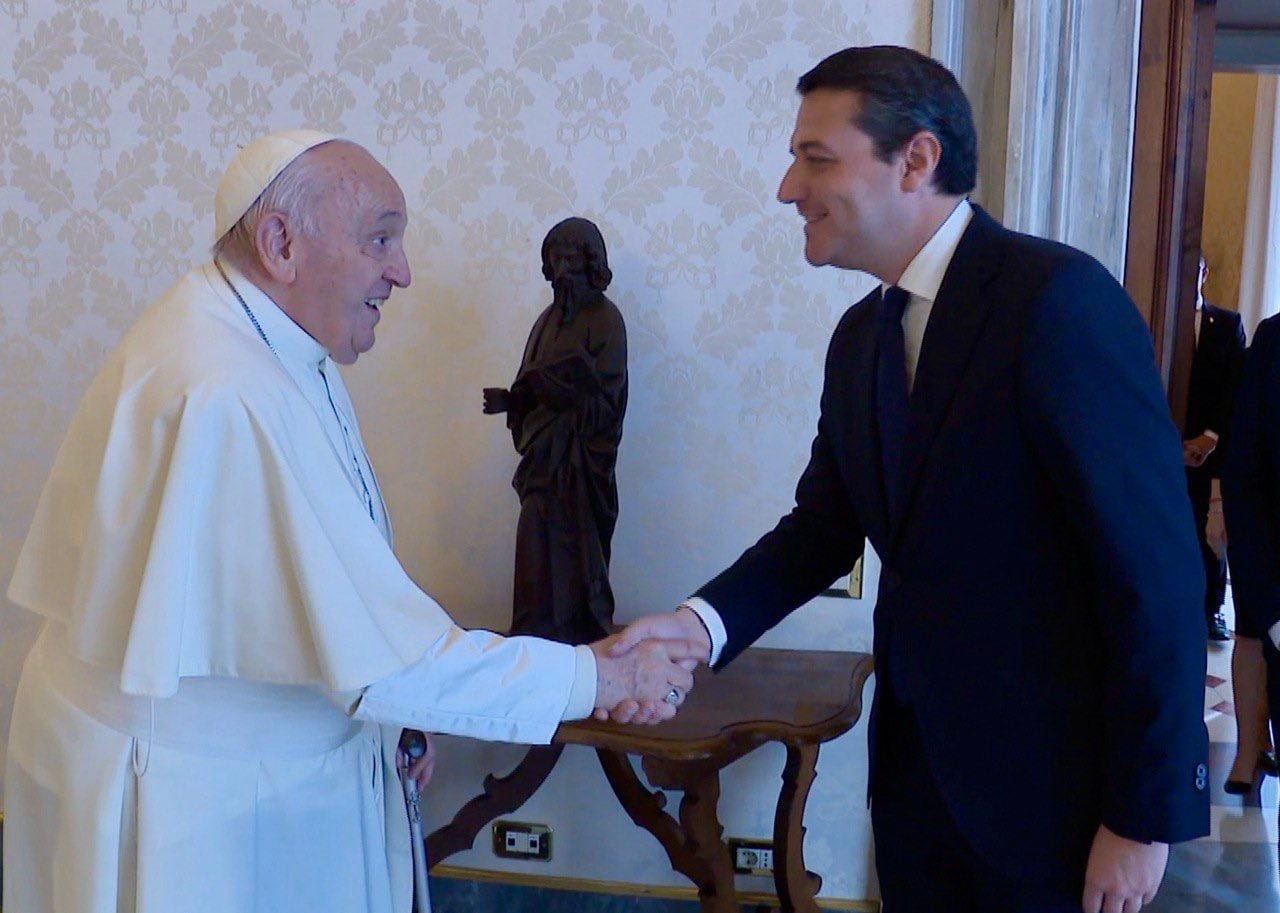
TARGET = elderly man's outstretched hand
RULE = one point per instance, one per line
(686, 643)
(644, 685)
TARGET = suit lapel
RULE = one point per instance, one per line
(958, 315)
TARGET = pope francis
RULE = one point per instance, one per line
(198, 725)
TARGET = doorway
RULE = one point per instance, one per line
(1204, 172)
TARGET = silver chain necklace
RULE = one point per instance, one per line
(346, 435)
(248, 313)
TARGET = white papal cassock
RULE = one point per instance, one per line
(197, 727)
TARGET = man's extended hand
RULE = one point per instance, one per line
(1123, 875)
(643, 676)
(681, 626)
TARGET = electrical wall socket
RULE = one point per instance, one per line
(520, 840)
(751, 857)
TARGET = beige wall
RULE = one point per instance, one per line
(1227, 183)
(665, 122)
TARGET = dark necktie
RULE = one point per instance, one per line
(891, 391)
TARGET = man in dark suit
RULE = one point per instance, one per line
(1215, 372)
(992, 420)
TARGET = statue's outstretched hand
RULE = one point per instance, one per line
(496, 400)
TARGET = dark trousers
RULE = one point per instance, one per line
(924, 863)
(1199, 487)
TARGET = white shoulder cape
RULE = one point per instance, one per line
(196, 521)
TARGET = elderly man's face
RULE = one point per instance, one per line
(346, 272)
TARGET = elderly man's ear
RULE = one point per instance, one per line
(274, 240)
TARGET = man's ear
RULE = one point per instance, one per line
(273, 240)
(920, 158)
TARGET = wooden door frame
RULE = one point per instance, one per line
(1166, 203)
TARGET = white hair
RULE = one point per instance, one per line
(296, 192)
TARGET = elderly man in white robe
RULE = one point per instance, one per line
(198, 725)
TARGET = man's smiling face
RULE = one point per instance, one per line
(850, 199)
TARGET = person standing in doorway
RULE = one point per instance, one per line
(1215, 374)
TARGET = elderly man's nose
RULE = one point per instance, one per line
(398, 271)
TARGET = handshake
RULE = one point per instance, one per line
(645, 671)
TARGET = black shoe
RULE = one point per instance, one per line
(1218, 628)
(1237, 788)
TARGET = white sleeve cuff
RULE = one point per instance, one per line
(1210, 434)
(582, 696)
(485, 686)
(1274, 634)
(715, 627)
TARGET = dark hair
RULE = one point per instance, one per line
(903, 92)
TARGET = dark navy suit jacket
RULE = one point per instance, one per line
(1039, 603)
(1215, 374)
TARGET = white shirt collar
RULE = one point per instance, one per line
(293, 344)
(924, 273)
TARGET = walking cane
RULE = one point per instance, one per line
(413, 745)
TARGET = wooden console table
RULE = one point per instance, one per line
(800, 698)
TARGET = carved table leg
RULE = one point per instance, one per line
(501, 796)
(693, 844)
(796, 886)
(702, 825)
(646, 809)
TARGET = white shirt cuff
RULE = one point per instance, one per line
(715, 627)
(1274, 634)
(582, 695)
(1210, 434)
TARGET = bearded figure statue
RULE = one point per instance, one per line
(565, 411)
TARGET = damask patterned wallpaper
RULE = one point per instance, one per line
(666, 122)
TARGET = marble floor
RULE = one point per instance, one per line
(1235, 867)
(1208, 876)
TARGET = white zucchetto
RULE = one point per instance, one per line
(254, 167)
